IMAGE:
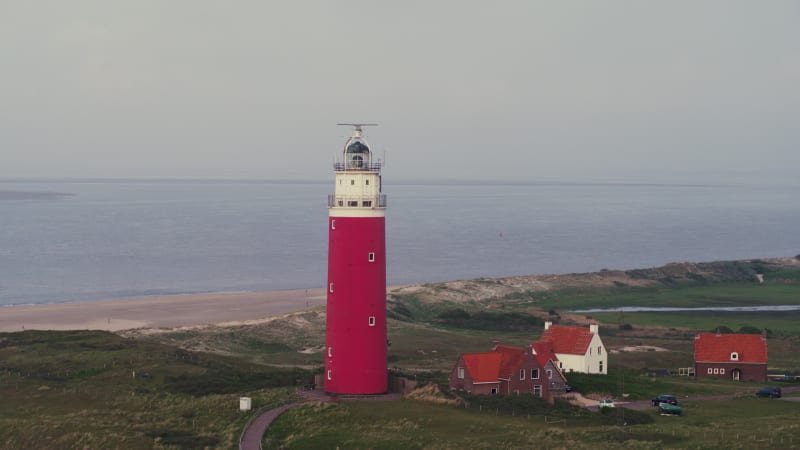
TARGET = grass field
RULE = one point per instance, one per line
(741, 423)
(96, 390)
(750, 294)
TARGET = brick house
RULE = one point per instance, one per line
(577, 349)
(503, 370)
(547, 358)
(741, 357)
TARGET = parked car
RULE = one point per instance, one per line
(606, 403)
(787, 379)
(666, 409)
(664, 398)
(769, 392)
(567, 388)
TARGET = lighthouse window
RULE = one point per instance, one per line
(367, 181)
(352, 182)
(333, 224)
(352, 203)
(371, 256)
(366, 203)
(330, 352)
(330, 374)
(330, 288)
(372, 321)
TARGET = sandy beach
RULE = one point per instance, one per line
(159, 312)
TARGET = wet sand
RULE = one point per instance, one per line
(159, 312)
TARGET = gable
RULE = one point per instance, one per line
(712, 347)
(543, 351)
(568, 340)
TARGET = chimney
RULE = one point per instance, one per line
(594, 328)
(547, 325)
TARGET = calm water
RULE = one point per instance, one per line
(124, 239)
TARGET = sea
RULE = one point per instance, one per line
(75, 240)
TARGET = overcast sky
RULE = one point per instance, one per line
(616, 91)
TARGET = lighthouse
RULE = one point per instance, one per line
(355, 329)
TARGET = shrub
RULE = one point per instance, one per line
(722, 329)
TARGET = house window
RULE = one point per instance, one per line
(599, 350)
(494, 391)
(460, 373)
(560, 365)
(352, 182)
(371, 257)
(330, 352)
(367, 181)
(537, 390)
(372, 321)
(330, 288)
(710, 370)
(534, 374)
(521, 374)
(590, 351)
(601, 366)
(333, 224)
(734, 356)
(330, 374)
(549, 374)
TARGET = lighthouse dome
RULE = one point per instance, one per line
(356, 154)
(357, 147)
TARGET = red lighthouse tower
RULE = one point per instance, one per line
(355, 333)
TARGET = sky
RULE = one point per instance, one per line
(518, 90)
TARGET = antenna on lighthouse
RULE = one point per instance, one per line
(357, 126)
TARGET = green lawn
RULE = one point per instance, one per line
(778, 322)
(742, 423)
(681, 296)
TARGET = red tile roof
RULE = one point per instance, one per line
(512, 358)
(544, 352)
(484, 367)
(501, 362)
(568, 340)
(712, 347)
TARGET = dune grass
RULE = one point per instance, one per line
(85, 389)
(740, 423)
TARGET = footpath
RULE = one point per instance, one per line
(252, 435)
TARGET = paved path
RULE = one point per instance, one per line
(644, 405)
(251, 438)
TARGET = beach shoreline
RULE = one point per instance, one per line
(167, 311)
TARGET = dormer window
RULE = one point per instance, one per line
(734, 356)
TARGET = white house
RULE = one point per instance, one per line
(578, 349)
